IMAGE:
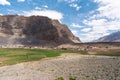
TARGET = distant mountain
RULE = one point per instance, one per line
(114, 37)
(18, 30)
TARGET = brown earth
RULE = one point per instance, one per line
(83, 67)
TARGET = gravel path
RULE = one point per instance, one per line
(83, 67)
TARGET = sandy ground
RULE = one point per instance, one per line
(83, 67)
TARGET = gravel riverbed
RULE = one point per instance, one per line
(83, 67)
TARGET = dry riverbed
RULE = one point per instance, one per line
(83, 67)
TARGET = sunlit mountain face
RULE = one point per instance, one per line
(87, 19)
(114, 37)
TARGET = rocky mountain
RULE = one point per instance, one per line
(114, 37)
(33, 30)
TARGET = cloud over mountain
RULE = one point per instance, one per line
(104, 19)
(4, 2)
(49, 13)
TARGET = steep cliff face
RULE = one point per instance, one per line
(34, 30)
(64, 33)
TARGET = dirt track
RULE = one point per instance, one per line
(83, 67)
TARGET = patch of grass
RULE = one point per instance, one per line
(18, 55)
(108, 54)
(74, 51)
(72, 78)
(60, 78)
(15, 60)
(12, 52)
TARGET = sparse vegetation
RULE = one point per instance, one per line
(17, 55)
(13, 56)
(66, 67)
(110, 54)
(72, 78)
(60, 78)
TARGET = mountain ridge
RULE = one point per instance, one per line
(33, 30)
(113, 37)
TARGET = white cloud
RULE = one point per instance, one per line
(38, 8)
(109, 8)
(69, 1)
(20, 0)
(49, 13)
(12, 11)
(90, 36)
(75, 25)
(75, 6)
(4, 2)
(74, 32)
(86, 29)
(41, 8)
(72, 3)
(103, 20)
(95, 22)
(45, 6)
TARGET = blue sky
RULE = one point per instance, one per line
(87, 19)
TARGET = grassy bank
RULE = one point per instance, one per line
(13, 56)
(117, 54)
(109, 52)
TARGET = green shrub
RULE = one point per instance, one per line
(72, 78)
(60, 78)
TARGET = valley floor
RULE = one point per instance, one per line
(83, 67)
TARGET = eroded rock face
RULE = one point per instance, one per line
(33, 30)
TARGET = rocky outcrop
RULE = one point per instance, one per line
(33, 30)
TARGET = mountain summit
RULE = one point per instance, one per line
(114, 37)
(33, 30)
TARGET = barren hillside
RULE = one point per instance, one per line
(33, 30)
